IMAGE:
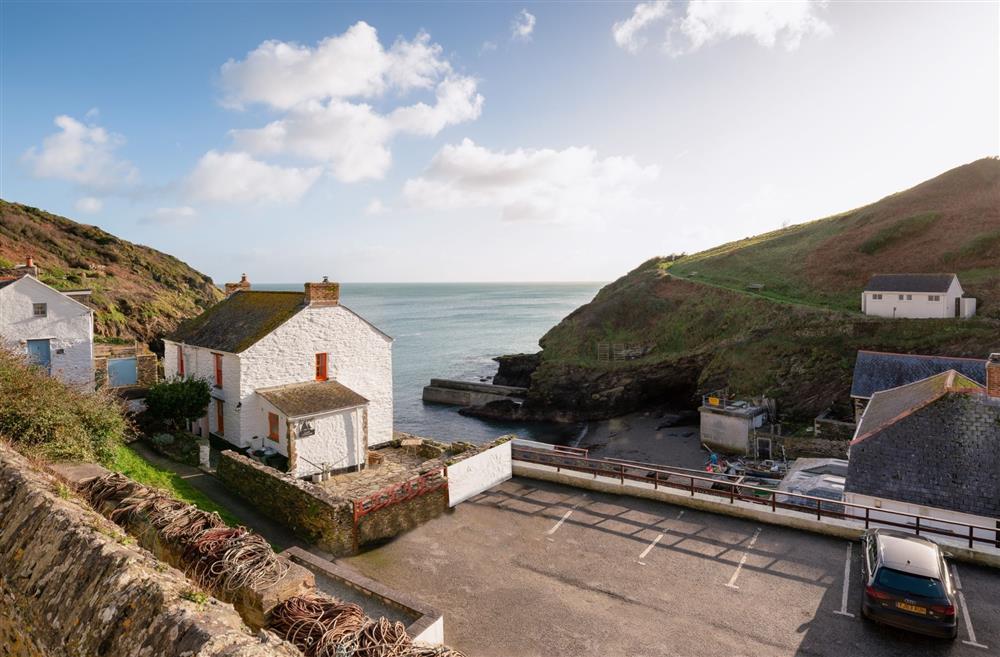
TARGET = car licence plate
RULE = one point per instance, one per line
(915, 609)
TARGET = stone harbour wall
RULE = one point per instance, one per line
(301, 506)
(72, 584)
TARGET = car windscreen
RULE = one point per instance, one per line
(911, 585)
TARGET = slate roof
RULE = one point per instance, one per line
(312, 398)
(875, 370)
(930, 283)
(4, 282)
(236, 323)
(889, 406)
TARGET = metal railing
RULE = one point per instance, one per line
(722, 486)
(400, 492)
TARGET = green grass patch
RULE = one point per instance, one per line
(130, 464)
(901, 230)
(981, 246)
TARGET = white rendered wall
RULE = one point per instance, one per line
(729, 433)
(69, 326)
(473, 475)
(199, 363)
(360, 357)
(919, 307)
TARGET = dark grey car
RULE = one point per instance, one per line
(907, 583)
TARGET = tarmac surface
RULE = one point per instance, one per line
(534, 568)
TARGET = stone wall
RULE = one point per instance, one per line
(402, 516)
(303, 507)
(72, 584)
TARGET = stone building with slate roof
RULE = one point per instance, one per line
(931, 447)
(295, 373)
(875, 371)
(917, 296)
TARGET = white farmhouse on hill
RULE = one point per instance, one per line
(295, 372)
(920, 296)
(53, 329)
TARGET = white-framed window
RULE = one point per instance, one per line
(934, 297)
(900, 297)
(40, 309)
(877, 296)
(909, 297)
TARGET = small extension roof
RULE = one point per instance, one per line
(889, 406)
(236, 323)
(876, 370)
(311, 398)
(931, 283)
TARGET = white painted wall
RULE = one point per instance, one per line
(728, 433)
(917, 306)
(360, 357)
(473, 475)
(200, 363)
(69, 326)
(916, 509)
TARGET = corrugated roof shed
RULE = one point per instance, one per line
(312, 398)
(236, 323)
(875, 370)
(931, 283)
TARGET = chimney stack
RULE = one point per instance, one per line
(993, 376)
(323, 294)
(29, 262)
(244, 284)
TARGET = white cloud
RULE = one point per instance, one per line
(522, 26)
(83, 154)
(89, 205)
(626, 32)
(177, 215)
(375, 207)
(573, 185)
(318, 91)
(237, 177)
(488, 46)
(704, 22)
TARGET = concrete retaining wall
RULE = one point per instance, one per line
(464, 393)
(479, 472)
(71, 584)
(848, 529)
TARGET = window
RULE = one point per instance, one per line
(272, 426)
(909, 297)
(218, 370)
(934, 297)
(180, 361)
(321, 367)
(877, 296)
(40, 309)
(220, 419)
(900, 297)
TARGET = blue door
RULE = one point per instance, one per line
(40, 354)
(122, 372)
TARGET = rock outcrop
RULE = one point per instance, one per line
(516, 369)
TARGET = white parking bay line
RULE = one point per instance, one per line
(743, 560)
(649, 547)
(965, 613)
(559, 524)
(847, 583)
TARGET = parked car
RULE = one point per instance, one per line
(907, 583)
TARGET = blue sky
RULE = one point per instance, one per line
(481, 141)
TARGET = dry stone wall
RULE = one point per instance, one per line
(72, 584)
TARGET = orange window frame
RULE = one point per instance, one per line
(321, 367)
(180, 361)
(272, 427)
(220, 418)
(218, 370)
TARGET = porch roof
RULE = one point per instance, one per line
(311, 398)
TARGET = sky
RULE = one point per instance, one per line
(461, 141)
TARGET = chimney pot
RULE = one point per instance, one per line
(993, 376)
(29, 261)
(244, 284)
(323, 294)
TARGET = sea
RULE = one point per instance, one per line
(453, 331)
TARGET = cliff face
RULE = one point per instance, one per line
(688, 324)
(138, 292)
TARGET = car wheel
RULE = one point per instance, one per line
(954, 633)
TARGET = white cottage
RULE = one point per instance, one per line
(292, 371)
(55, 330)
(920, 296)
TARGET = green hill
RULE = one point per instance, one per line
(693, 324)
(138, 292)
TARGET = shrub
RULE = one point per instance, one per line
(178, 401)
(46, 418)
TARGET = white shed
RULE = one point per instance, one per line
(917, 296)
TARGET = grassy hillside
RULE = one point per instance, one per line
(138, 292)
(950, 223)
(699, 328)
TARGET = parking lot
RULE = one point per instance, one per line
(533, 568)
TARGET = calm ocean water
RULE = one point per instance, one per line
(452, 331)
